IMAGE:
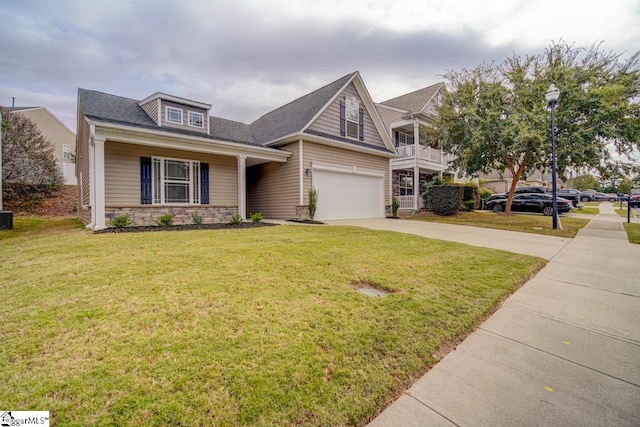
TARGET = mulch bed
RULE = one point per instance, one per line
(183, 227)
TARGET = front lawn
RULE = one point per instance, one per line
(232, 327)
(633, 232)
(537, 224)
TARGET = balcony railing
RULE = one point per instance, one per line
(435, 155)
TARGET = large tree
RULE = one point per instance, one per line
(27, 156)
(495, 116)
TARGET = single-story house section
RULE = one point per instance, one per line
(165, 154)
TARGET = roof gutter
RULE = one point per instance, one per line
(165, 139)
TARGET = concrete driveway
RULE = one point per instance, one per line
(523, 243)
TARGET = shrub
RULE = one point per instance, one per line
(197, 217)
(313, 202)
(395, 204)
(425, 190)
(236, 219)
(257, 217)
(469, 197)
(165, 220)
(445, 199)
(121, 221)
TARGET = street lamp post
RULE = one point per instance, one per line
(552, 98)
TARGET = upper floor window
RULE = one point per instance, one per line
(66, 151)
(174, 115)
(352, 113)
(196, 119)
(403, 139)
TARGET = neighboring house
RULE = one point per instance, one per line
(501, 183)
(62, 138)
(166, 154)
(406, 118)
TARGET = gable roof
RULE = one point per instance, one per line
(284, 121)
(294, 116)
(416, 101)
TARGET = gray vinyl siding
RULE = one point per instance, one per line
(151, 108)
(122, 174)
(329, 121)
(273, 188)
(185, 116)
(82, 168)
(390, 116)
(313, 152)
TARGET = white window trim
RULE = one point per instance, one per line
(348, 102)
(194, 182)
(193, 113)
(66, 149)
(406, 137)
(410, 187)
(166, 115)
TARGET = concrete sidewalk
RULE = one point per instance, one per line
(563, 350)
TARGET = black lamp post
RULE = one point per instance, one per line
(552, 98)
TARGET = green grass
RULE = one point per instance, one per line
(633, 232)
(537, 224)
(587, 210)
(232, 327)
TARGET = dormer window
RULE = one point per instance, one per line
(174, 115)
(196, 119)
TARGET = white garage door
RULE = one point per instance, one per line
(348, 195)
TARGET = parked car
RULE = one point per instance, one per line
(634, 198)
(602, 197)
(531, 202)
(520, 190)
(570, 194)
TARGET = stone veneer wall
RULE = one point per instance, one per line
(147, 215)
(302, 212)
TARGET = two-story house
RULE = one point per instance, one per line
(406, 118)
(61, 137)
(166, 154)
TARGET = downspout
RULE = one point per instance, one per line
(92, 180)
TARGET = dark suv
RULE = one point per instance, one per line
(521, 190)
(567, 193)
(634, 198)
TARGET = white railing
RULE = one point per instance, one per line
(435, 155)
(407, 202)
(406, 151)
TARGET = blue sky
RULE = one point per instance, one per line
(246, 58)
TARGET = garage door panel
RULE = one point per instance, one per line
(348, 195)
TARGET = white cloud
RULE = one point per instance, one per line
(248, 57)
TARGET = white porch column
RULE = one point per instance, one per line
(242, 186)
(416, 168)
(98, 207)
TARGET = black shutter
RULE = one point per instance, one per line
(342, 119)
(204, 183)
(397, 139)
(361, 124)
(146, 196)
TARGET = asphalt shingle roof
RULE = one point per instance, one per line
(415, 101)
(292, 117)
(283, 121)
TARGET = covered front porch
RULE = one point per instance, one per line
(417, 164)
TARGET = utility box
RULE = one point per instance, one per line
(6, 220)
